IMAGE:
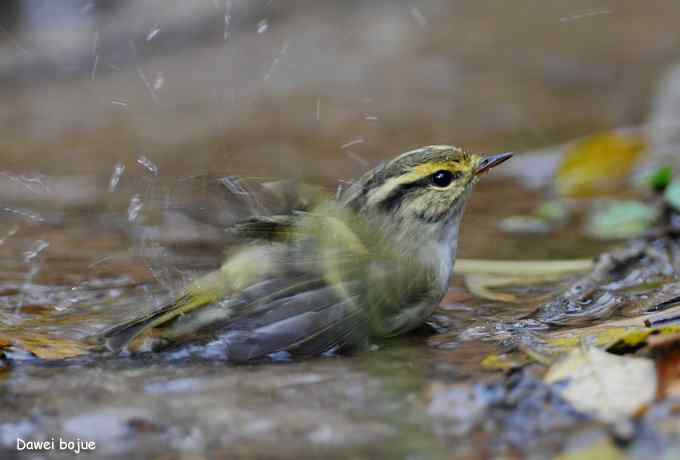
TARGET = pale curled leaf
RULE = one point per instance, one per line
(608, 387)
(529, 268)
(485, 278)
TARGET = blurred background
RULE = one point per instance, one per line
(114, 114)
(235, 86)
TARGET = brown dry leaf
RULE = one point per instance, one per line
(47, 347)
(606, 386)
(668, 374)
(597, 164)
(665, 349)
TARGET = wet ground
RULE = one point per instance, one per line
(104, 132)
(69, 275)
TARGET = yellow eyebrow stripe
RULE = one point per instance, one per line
(423, 170)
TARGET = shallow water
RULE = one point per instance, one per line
(105, 130)
(72, 274)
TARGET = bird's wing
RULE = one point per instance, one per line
(265, 228)
(243, 270)
(202, 293)
(306, 296)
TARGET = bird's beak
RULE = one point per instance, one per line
(491, 162)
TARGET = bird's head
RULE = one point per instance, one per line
(421, 191)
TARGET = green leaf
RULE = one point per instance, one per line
(622, 220)
(661, 178)
(672, 195)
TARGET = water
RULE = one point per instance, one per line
(82, 274)
(101, 126)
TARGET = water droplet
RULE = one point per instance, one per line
(135, 208)
(159, 81)
(262, 26)
(23, 213)
(152, 33)
(35, 250)
(356, 157)
(148, 164)
(8, 235)
(418, 16)
(227, 18)
(118, 171)
(351, 143)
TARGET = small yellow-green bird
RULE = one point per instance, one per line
(371, 263)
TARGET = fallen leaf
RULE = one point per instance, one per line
(607, 387)
(660, 178)
(598, 164)
(672, 194)
(530, 268)
(46, 347)
(621, 220)
(500, 362)
(601, 450)
(609, 336)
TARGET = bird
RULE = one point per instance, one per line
(370, 263)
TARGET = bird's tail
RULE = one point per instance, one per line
(118, 337)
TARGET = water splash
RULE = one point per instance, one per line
(277, 60)
(152, 33)
(357, 158)
(149, 86)
(119, 102)
(227, 18)
(158, 81)
(35, 183)
(262, 26)
(118, 171)
(32, 258)
(148, 165)
(418, 16)
(13, 231)
(35, 250)
(135, 208)
(585, 14)
(352, 143)
(30, 215)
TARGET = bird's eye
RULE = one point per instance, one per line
(443, 178)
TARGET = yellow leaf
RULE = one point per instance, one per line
(598, 164)
(47, 347)
(501, 362)
(609, 335)
(600, 450)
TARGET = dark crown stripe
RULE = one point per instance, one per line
(396, 196)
